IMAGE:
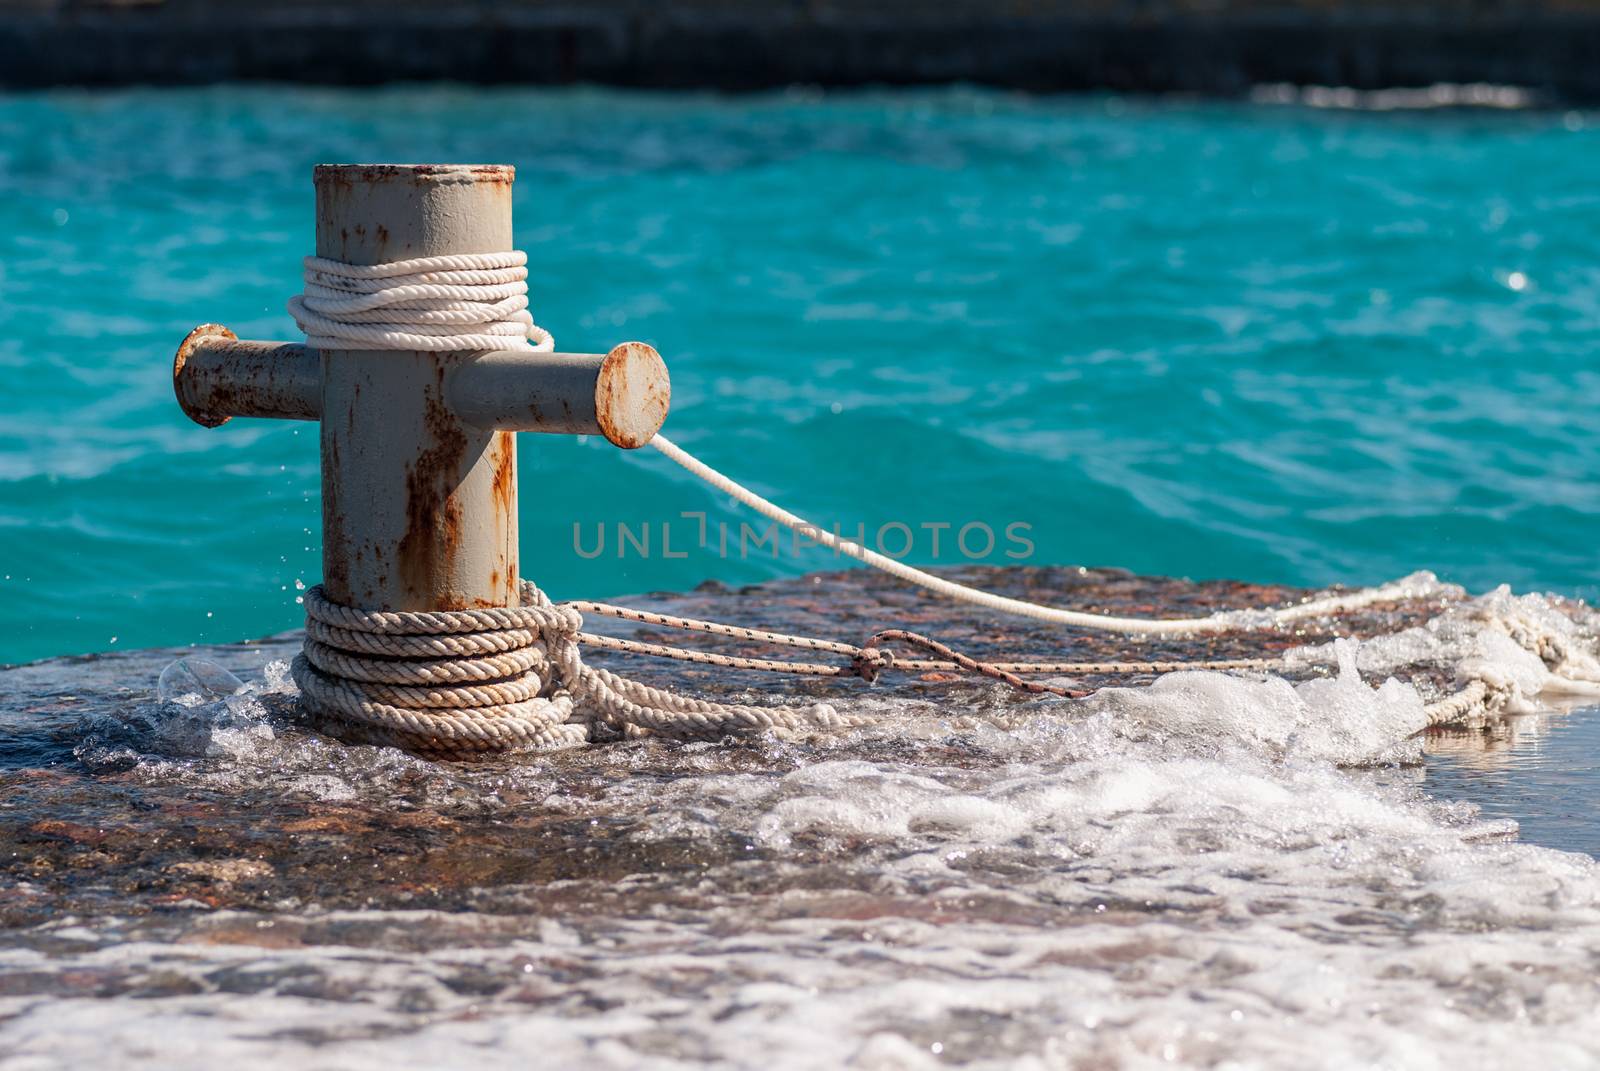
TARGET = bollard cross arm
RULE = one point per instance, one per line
(622, 395)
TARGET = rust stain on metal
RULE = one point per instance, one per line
(433, 510)
(347, 175)
(632, 395)
(503, 494)
(216, 377)
(186, 349)
(332, 175)
(504, 486)
(336, 555)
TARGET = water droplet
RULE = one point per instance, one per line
(190, 681)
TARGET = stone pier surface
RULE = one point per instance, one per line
(197, 883)
(1223, 47)
(120, 803)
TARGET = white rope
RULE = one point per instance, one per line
(476, 301)
(1416, 586)
(459, 683)
(531, 692)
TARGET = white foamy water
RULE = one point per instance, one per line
(1211, 872)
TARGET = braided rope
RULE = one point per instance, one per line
(712, 658)
(1477, 699)
(822, 669)
(690, 624)
(361, 667)
(548, 698)
(382, 676)
(632, 704)
(455, 683)
(476, 301)
(466, 644)
(872, 659)
(1474, 698)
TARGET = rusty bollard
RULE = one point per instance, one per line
(419, 477)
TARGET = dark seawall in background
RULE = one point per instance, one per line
(1549, 46)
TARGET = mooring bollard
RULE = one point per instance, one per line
(423, 633)
(419, 485)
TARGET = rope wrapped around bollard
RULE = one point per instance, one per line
(460, 683)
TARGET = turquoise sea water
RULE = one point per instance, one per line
(1274, 343)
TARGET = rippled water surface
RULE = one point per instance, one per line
(1274, 343)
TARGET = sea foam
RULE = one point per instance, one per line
(1215, 871)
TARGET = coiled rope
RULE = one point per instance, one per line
(477, 301)
(467, 682)
(464, 682)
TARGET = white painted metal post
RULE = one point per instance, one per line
(418, 460)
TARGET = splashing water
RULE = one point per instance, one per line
(191, 681)
(1210, 871)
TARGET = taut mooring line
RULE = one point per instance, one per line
(1414, 587)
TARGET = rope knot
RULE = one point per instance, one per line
(871, 661)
